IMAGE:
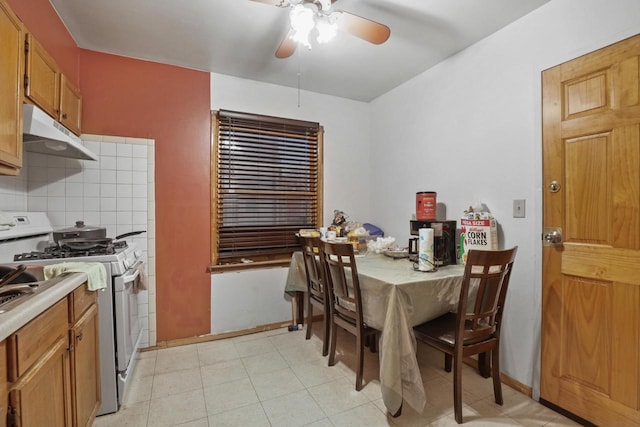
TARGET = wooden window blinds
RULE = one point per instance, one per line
(268, 185)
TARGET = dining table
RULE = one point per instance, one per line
(395, 297)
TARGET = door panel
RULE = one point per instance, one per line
(586, 186)
(591, 282)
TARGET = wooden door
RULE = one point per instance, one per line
(590, 361)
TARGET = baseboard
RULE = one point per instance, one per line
(505, 379)
(221, 336)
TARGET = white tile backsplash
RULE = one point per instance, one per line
(108, 190)
(124, 150)
(108, 162)
(108, 149)
(116, 192)
(107, 176)
(124, 163)
(107, 204)
(125, 177)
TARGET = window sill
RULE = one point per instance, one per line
(217, 269)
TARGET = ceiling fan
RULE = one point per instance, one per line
(305, 15)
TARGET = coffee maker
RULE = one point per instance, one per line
(444, 240)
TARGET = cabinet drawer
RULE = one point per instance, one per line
(31, 341)
(81, 300)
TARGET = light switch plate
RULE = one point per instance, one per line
(519, 208)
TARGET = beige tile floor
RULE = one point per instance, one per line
(277, 378)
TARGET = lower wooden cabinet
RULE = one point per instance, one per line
(42, 397)
(52, 366)
(85, 368)
(3, 384)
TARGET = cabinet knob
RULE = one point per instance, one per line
(64, 116)
(79, 336)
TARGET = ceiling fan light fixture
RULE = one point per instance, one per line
(302, 23)
(327, 29)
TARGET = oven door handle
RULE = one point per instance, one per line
(132, 273)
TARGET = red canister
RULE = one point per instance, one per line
(426, 205)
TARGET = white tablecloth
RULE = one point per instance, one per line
(395, 298)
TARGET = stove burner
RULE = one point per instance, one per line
(55, 252)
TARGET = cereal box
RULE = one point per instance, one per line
(479, 232)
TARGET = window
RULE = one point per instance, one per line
(267, 185)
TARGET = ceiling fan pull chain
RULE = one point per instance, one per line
(298, 55)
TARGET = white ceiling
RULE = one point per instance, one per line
(240, 37)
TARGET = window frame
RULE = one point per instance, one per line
(261, 261)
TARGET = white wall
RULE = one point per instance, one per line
(470, 129)
(259, 295)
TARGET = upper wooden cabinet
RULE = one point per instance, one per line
(11, 72)
(49, 89)
(70, 105)
(42, 80)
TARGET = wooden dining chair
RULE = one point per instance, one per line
(345, 301)
(475, 327)
(317, 294)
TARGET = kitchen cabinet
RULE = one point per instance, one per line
(3, 384)
(53, 365)
(38, 368)
(11, 74)
(48, 88)
(70, 105)
(85, 366)
(42, 78)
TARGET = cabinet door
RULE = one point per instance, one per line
(3, 384)
(11, 72)
(42, 397)
(43, 78)
(86, 367)
(70, 105)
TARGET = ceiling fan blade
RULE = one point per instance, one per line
(287, 46)
(366, 29)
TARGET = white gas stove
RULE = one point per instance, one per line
(30, 242)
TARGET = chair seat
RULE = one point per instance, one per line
(443, 330)
(440, 329)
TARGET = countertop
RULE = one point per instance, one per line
(58, 288)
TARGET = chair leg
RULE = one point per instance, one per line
(457, 389)
(495, 370)
(373, 343)
(332, 345)
(447, 362)
(325, 341)
(483, 364)
(309, 316)
(360, 360)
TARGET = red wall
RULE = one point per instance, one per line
(128, 97)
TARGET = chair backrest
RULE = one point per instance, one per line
(314, 268)
(342, 281)
(483, 293)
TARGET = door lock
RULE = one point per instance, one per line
(552, 236)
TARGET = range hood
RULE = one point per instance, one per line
(42, 134)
